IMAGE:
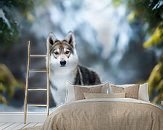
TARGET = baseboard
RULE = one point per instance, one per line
(19, 116)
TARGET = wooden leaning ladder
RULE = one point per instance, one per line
(47, 71)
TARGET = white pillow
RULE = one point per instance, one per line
(70, 94)
(143, 92)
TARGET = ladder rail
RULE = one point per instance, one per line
(48, 75)
(26, 87)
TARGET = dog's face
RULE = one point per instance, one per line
(62, 52)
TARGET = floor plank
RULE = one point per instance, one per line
(1, 123)
(12, 127)
(5, 126)
(22, 125)
(39, 124)
(30, 125)
(17, 125)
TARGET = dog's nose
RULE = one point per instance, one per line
(63, 63)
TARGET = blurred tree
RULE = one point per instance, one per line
(149, 13)
(156, 82)
(8, 84)
(156, 38)
(14, 14)
(11, 11)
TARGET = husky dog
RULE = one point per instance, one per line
(64, 66)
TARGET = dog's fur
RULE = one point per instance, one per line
(64, 66)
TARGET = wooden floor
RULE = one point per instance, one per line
(17, 126)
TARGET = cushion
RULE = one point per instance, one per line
(79, 91)
(76, 92)
(143, 92)
(131, 90)
(104, 95)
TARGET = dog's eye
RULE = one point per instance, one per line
(67, 52)
(56, 53)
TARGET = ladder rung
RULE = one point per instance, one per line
(38, 71)
(37, 105)
(38, 55)
(37, 89)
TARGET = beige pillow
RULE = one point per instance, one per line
(142, 93)
(79, 91)
(76, 92)
(104, 95)
(131, 91)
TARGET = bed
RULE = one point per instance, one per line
(105, 114)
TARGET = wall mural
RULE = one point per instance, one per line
(110, 36)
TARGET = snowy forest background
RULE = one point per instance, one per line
(122, 40)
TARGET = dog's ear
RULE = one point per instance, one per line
(70, 38)
(51, 39)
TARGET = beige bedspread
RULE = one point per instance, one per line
(106, 114)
